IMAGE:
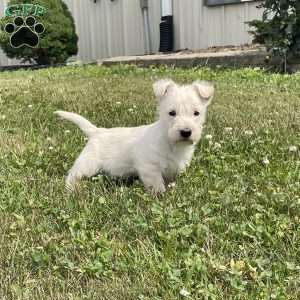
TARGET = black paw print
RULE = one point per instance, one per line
(24, 32)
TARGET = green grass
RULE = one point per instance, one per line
(229, 229)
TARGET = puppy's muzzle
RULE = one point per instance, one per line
(185, 133)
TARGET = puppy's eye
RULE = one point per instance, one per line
(172, 113)
(196, 113)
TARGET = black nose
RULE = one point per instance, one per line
(186, 133)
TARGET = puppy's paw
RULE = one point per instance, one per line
(157, 191)
(71, 189)
(72, 185)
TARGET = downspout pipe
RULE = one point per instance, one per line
(166, 27)
(166, 8)
(145, 9)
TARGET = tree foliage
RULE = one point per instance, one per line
(279, 28)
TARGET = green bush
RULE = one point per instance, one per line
(57, 43)
(279, 28)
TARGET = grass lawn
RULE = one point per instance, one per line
(228, 229)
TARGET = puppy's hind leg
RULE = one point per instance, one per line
(86, 165)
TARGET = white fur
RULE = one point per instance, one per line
(155, 152)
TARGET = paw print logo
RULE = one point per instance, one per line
(24, 32)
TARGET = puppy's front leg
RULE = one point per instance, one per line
(152, 180)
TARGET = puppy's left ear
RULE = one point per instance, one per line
(205, 90)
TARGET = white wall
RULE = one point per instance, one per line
(198, 26)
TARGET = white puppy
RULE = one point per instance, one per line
(155, 152)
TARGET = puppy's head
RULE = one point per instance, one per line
(182, 109)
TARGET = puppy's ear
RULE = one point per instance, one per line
(162, 87)
(205, 90)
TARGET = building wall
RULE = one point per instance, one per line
(198, 26)
(115, 28)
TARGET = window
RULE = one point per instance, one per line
(223, 2)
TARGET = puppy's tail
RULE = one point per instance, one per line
(86, 126)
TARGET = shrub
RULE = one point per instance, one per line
(57, 43)
(279, 28)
